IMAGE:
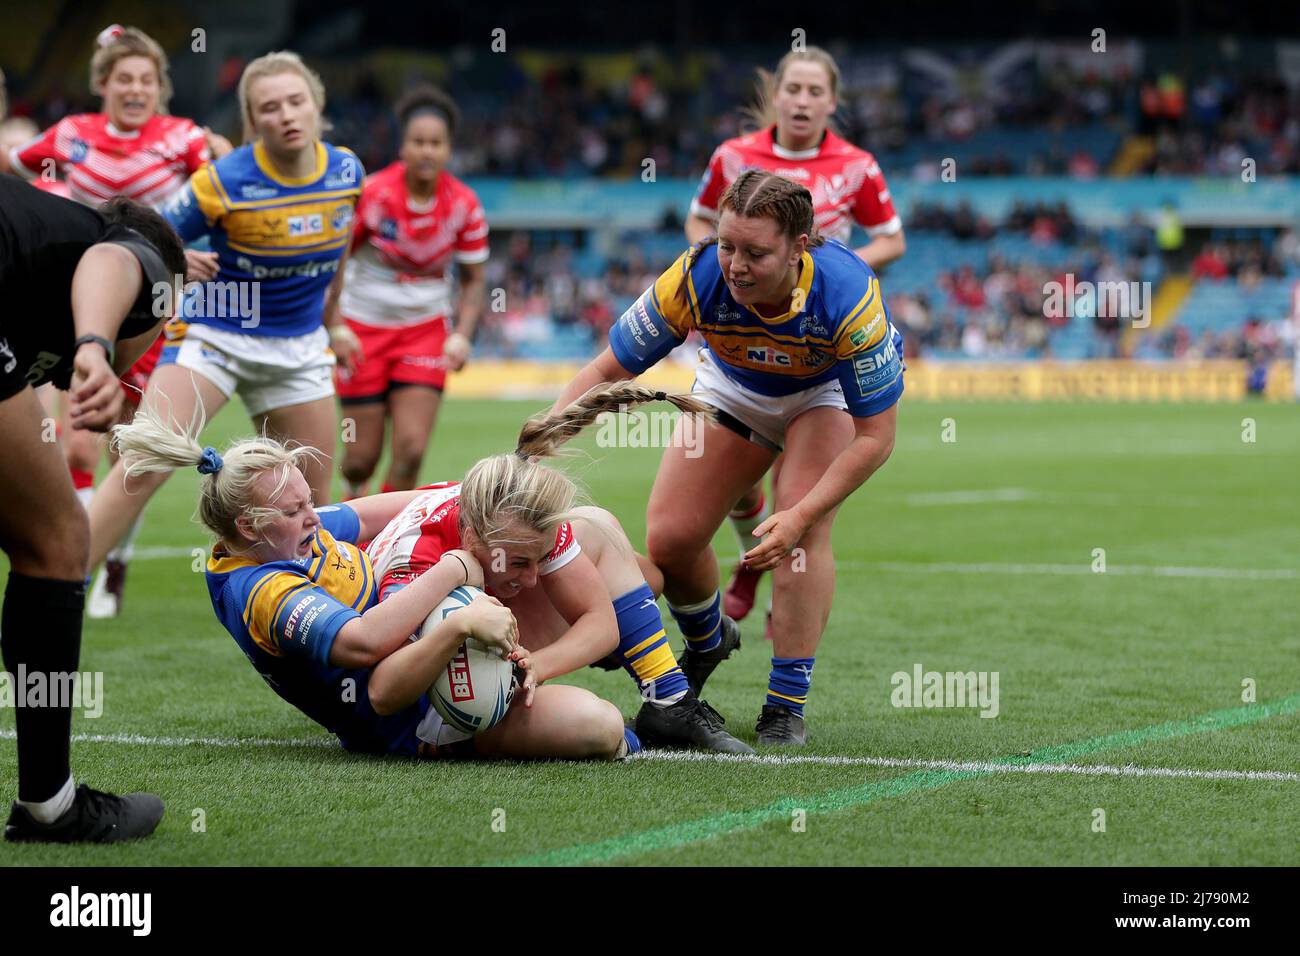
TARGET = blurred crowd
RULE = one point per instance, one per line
(1041, 222)
(1223, 121)
(563, 121)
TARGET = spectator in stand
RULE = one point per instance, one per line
(1210, 264)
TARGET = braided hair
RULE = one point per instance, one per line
(503, 490)
(757, 193)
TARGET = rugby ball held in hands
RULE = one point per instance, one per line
(473, 692)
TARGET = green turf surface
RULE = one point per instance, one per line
(1135, 666)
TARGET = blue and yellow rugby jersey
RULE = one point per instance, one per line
(842, 332)
(285, 616)
(286, 234)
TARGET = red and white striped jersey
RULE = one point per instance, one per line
(399, 272)
(846, 182)
(100, 161)
(429, 527)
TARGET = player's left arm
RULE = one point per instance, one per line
(883, 249)
(872, 443)
(871, 377)
(578, 592)
(343, 341)
(105, 285)
(472, 277)
(874, 210)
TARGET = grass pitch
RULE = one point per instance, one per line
(1119, 691)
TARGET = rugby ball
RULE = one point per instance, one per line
(474, 690)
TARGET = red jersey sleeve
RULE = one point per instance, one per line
(472, 240)
(361, 215)
(196, 152)
(29, 160)
(565, 550)
(712, 185)
(874, 208)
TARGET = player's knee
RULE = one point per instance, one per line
(604, 729)
(669, 546)
(408, 453)
(358, 466)
(81, 457)
(61, 549)
(750, 499)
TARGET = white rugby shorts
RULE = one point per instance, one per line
(268, 372)
(764, 416)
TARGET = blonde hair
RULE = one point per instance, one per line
(117, 43)
(515, 489)
(273, 64)
(151, 444)
(763, 114)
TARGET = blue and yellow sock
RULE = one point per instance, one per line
(789, 681)
(632, 740)
(643, 648)
(700, 624)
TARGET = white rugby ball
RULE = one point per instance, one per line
(474, 690)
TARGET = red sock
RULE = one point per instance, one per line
(386, 488)
(82, 479)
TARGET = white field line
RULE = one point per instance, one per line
(979, 766)
(778, 760)
(977, 497)
(158, 552)
(1083, 567)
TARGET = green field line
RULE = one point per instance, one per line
(724, 824)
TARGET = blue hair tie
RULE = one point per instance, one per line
(211, 463)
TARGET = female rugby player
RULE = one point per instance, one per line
(794, 139)
(132, 148)
(800, 357)
(300, 599)
(517, 518)
(279, 213)
(417, 228)
(81, 304)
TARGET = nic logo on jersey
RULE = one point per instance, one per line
(306, 225)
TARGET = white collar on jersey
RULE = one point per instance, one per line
(784, 153)
(121, 133)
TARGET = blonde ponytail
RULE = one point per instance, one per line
(151, 444)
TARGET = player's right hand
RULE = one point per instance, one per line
(95, 395)
(346, 346)
(200, 266)
(488, 620)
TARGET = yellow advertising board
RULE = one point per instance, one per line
(1029, 381)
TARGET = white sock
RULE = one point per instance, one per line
(47, 811)
(84, 495)
(126, 547)
(745, 523)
